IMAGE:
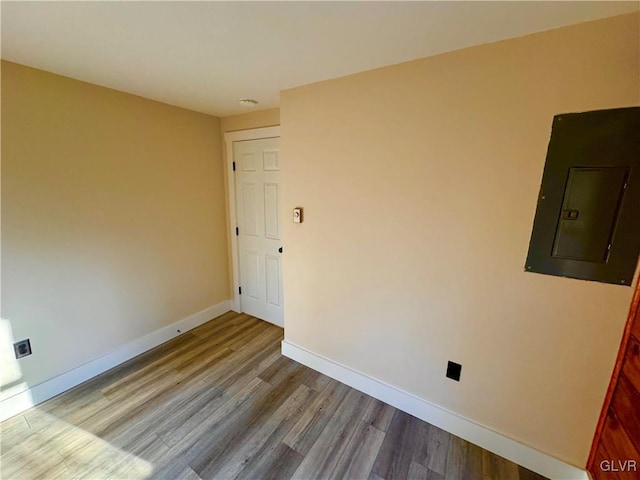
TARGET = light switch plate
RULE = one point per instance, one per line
(297, 215)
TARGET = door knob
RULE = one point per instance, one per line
(280, 249)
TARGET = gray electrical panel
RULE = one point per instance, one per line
(587, 222)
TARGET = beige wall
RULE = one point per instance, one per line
(419, 184)
(246, 121)
(113, 217)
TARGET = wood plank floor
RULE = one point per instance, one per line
(221, 402)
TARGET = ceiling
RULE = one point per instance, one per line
(205, 56)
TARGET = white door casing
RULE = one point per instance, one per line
(255, 249)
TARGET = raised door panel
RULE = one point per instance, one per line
(270, 160)
(252, 274)
(271, 224)
(272, 280)
(250, 209)
(248, 162)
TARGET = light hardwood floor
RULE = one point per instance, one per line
(221, 402)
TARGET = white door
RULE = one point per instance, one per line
(257, 179)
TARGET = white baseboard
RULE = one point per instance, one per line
(50, 388)
(462, 427)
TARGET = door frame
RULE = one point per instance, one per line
(229, 138)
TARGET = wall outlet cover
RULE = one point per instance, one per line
(22, 348)
(454, 370)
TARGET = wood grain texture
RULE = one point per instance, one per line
(494, 467)
(635, 327)
(626, 407)
(307, 430)
(437, 446)
(614, 449)
(632, 325)
(631, 365)
(358, 456)
(617, 436)
(221, 402)
(617, 442)
(328, 448)
(464, 460)
(379, 415)
(418, 472)
(399, 446)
